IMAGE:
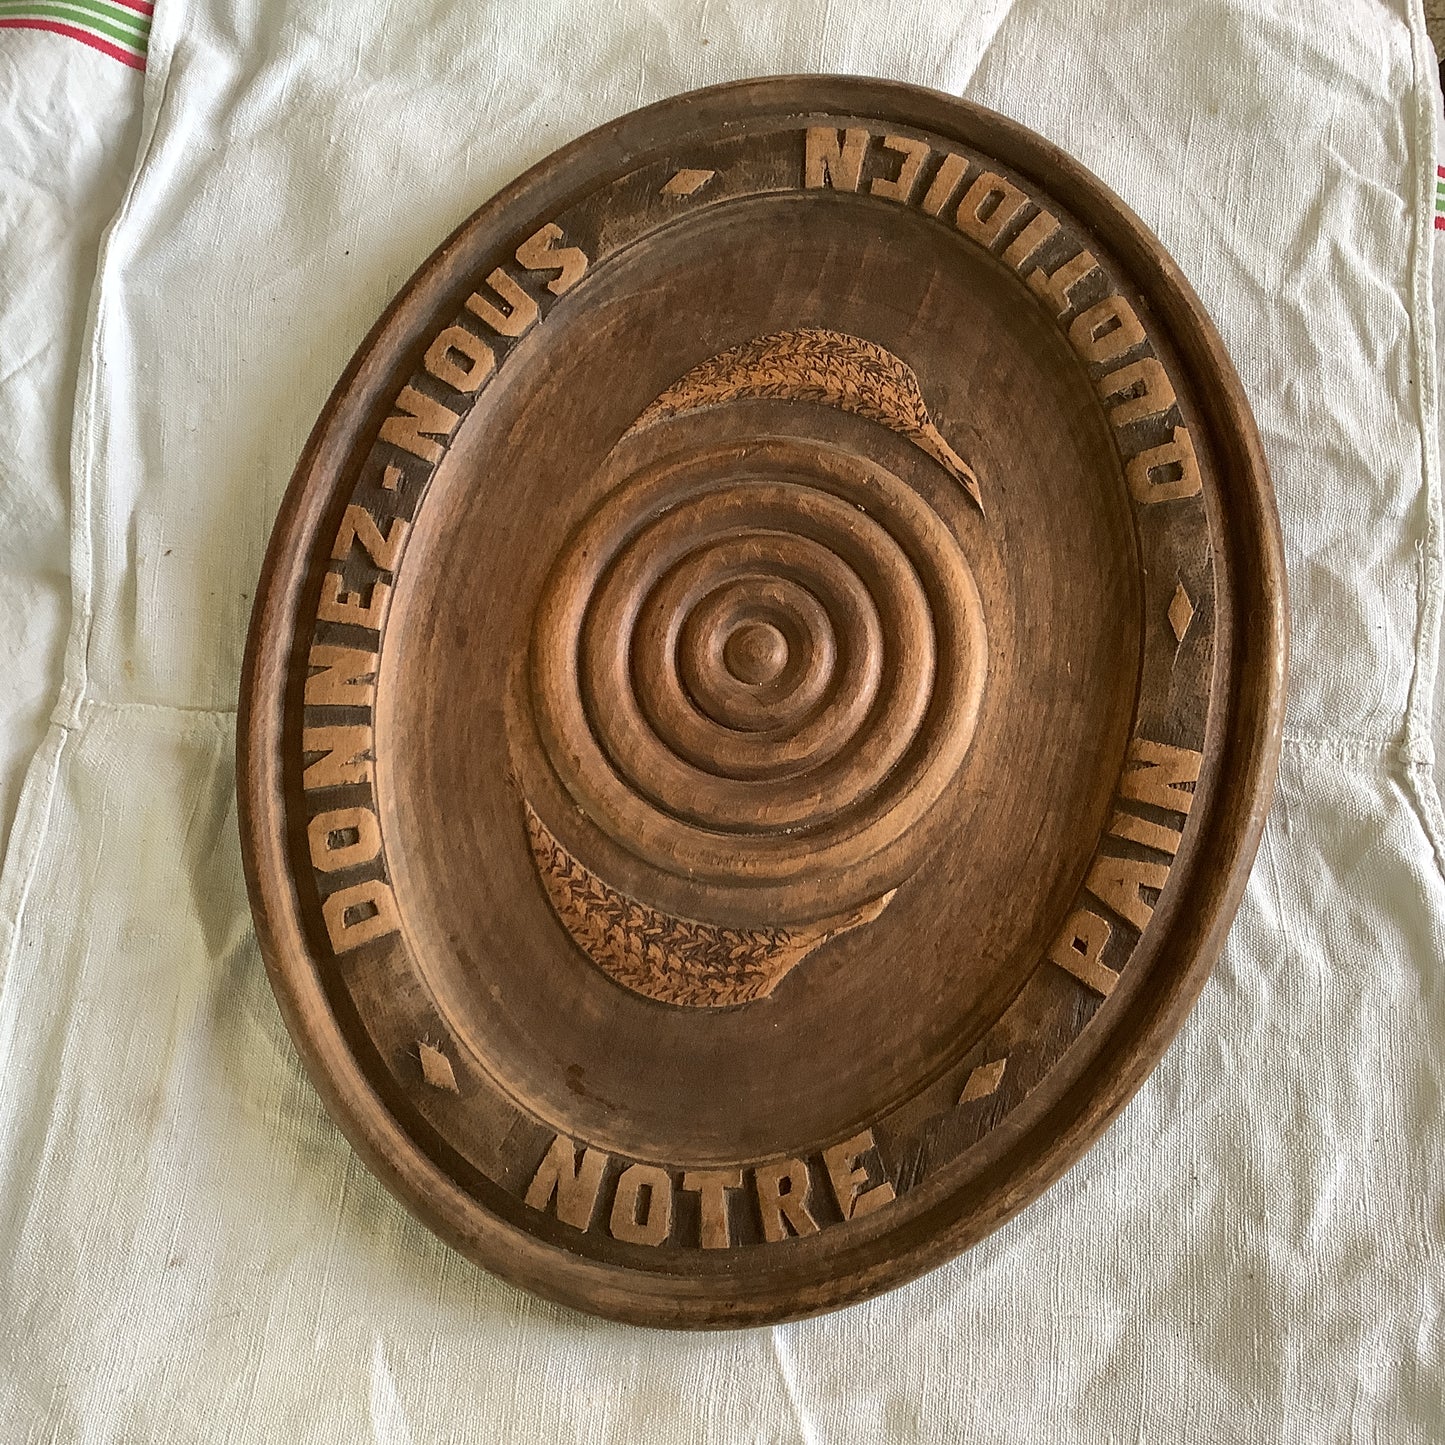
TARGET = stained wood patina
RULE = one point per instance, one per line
(762, 700)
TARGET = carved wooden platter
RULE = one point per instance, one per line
(762, 701)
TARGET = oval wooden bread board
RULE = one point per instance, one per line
(762, 700)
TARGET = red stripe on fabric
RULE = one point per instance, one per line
(1439, 170)
(1440, 223)
(145, 9)
(71, 32)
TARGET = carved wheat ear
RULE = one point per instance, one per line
(830, 367)
(671, 959)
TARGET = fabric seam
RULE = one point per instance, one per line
(33, 819)
(76, 683)
(1417, 749)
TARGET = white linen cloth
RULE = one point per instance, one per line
(188, 1249)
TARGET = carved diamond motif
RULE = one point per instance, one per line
(1181, 613)
(983, 1081)
(686, 183)
(436, 1068)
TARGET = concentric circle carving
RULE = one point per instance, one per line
(754, 662)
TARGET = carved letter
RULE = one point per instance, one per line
(338, 606)
(342, 757)
(901, 187)
(358, 914)
(1079, 950)
(712, 1186)
(1144, 387)
(540, 253)
(521, 310)
(1177, 456)
(341, 683)
(419, 418)
(1001, 199)
(1141, 830)
(576, 1189)
(1030, 241)
(945, 183)
(1119, 882)
(655, 1222)
(782, 1190)
(826, 163)
(849, 1178)
(1057, 285)
(1106, 330)
(330, 856)
(358, 525)
(467, 374)
(1157, 773)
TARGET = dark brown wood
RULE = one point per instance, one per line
(762, 700)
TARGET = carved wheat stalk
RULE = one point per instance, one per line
(674, 960)
(816, 365)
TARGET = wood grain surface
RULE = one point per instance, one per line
(762, 700)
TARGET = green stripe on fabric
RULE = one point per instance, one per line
(134, 27)
(118, 14)
(84, 13)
